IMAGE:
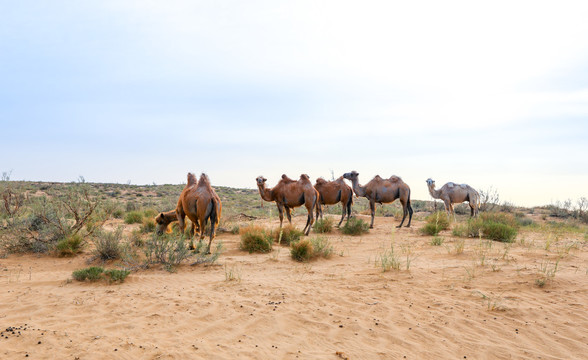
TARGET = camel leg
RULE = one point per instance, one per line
(342, 215)
(373, 211)
(404, 213)
(281, 213)
(309, 221)
(287, 209)
(212, 234)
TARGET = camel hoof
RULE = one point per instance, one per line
(399, 226)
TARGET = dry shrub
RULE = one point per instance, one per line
(255, 238)
(288, 234)
(322, 226)
(355, 226)
(495, 226)
(108, 244)
(70, 245)
(308, 249)
(436, 222)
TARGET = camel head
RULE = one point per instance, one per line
(162, 222)
(351, 175)
(261, 181)
(431, 182)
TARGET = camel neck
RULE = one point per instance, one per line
(359, 190)
(434, 193)
(265, 193)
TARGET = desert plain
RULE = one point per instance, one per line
(461, 298)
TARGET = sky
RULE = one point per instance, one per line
(492, 94)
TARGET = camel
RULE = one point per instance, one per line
(199, 202)
(452, 193)
(289, 194)
(381, 191)
(332, 192)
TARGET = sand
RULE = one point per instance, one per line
(481, 304)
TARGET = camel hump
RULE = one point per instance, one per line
(204, 180)
(191, 179)
(450, 185)
(304, 177)
(395, 178)
(464, 186)
(321, 181)
(286, 179)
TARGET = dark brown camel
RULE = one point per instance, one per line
(200, 203)
(289, 194)
(333, 192)
(381, 191)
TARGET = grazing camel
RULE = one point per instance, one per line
(289, 194)
(199, 202)
(332, 192)
(452, 193)
(380, 191)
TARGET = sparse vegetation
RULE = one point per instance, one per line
(436, 222)
(494, 226)
(355, 226)
(308, 249)
(108, 244)
(134, 217)
(288, 234)
(255, 238)
(437, 241)
(324, 225)
(70, 246)
(96, 273)
(167, 250)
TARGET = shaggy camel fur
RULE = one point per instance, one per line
(199, 202)
(380, 191)
(452, 193)
(332, 192)
(289, 194)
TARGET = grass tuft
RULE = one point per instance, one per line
(355, 226)
(435, 222)
(255, 238)
(322, 226)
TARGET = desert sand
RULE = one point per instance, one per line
(483, 303)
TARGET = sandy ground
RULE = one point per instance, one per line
(480, 304)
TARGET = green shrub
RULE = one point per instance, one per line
(301, 250)
(308, 249)
(148, 225)
(355, 226)
(108, 244)
(114, 275)
(93, 273)
(288, 235)
(321, 247)
(437, 241)
(166, 249)
(70, 245)
(495, 226)
(134, 217)
(435, 222)
(255, 238)
(324, 225)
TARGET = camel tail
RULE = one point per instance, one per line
(212, 214)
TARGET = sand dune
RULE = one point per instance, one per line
(446, 305)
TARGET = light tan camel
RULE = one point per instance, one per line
(380, 191)
(332, 192)
(452, 193)
(200, 203)
(289, 194)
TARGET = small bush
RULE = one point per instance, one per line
(436, 222)
(301, 250)
(324, 225)
(166, 249)
(355, 226)
(437, 241)
(134, 217)
(321, 247)
(288, 235)
(255, 239)
(308, 249)
(114, 275)
(108, 244)
(148, 225)
(70, 245)
(93, 273)
(495, 226)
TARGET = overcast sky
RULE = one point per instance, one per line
(489, 94)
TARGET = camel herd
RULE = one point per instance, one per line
(200, 203)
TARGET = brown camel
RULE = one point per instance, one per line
(380, 191)
(332, 192)
(289, 194)
(199, 202)
(452, 193)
